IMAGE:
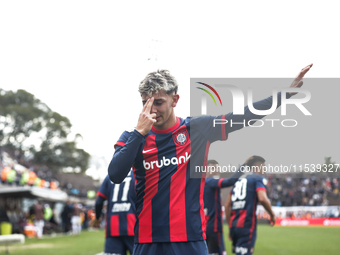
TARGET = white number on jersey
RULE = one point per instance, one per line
(126, 183)
(240, 190)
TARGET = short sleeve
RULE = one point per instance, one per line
(122, 139)
(214, 128)
(104, 188)
(261, 184)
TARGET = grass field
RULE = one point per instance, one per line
(270, 241)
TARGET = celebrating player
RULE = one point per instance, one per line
(169, 207)
(240, 208)
(120, 216)
(212, 207)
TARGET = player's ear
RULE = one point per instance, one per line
(175, 98)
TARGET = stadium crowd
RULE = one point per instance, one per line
(15, 170)
(302, 190)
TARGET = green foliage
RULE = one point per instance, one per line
(22, 116)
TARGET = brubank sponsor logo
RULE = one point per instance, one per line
(166, 162)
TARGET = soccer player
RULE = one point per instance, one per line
(240, 208)
(169, 207)
(212, 206)
(120, 215)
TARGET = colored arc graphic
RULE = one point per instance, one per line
(209, 92)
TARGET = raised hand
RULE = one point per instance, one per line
(146, 118)
(297, 83)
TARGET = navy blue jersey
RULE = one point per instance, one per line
(169, 205)
(244, 200)
(120, 216)
(212, 202)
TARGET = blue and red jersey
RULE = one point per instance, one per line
(244, 201)
(169, 205)
(120, 215)
(212, 202)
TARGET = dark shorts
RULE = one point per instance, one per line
(118, 245)
(175, 248)
(215, 243)
(243, 240)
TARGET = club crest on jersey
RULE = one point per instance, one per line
(180, 138)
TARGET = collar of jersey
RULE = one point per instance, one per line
(168, 130)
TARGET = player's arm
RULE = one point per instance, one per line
(263, 199)
(227, 209)
(98, 208)
(227, 182)
(264, 104)
(125, 153)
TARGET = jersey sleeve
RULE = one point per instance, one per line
(104, 188)
(261, 184)
(122, 139)
(217, 128)
(222, 183)
(125, 154)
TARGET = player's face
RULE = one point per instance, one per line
(213, 170)
(163, 108)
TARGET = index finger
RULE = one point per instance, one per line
(146, 103)
(149, 104)
(304, 71)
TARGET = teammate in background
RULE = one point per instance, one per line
(169, 208)
(240, 208)
(120, 215)
(39, 223)
(75, 219)
(212, 207)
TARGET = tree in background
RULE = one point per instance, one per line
(31, 128)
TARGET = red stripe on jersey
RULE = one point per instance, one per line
(119, 143)
(101, 194)
(216, 211)
(205, 163)
(224, 135)
(114, 225)
(168, 130)
(206, 221)
(253, 220)
(220, 182)
(233, 213)
(204, 225)
(131, 221)
(177, 213)
(151, 188)
(261, 188)
(241, 218)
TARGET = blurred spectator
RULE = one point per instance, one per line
(75, 220)
(66, 217)
(38, 218)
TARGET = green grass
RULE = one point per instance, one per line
(270, 241)
(87, 243)
(294, 240)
